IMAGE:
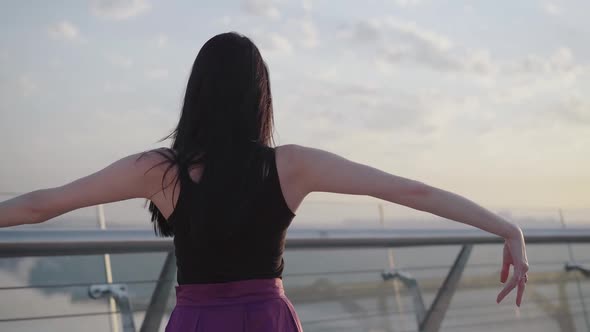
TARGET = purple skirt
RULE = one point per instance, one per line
(239, 306)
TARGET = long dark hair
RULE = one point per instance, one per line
(227, 113)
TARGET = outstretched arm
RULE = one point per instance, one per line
(324, 171)
(123, 179)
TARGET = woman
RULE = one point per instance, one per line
(228, 197)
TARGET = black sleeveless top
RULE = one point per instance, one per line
(255, 249)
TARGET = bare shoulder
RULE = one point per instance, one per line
(285, 153)
(159, 175)
(288, 169)
(290, 160)
(156, 154)
(296, 162)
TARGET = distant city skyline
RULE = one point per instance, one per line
(486, 99)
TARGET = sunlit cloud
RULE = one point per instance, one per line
(226, 20)
(119, 60)
(265, 8)
(310, 35)
(27, 85)
(274, 43)
(161, 40)
(157, 73)
(64, 30)
(407, 3)
(550, 8)
(561, 61)
(119, 9)
(571, 110)
(399, 42)
(303, 32)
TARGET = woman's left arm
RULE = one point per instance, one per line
(124, 179)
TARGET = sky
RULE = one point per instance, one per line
(487, 99)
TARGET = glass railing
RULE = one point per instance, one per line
(337, 278)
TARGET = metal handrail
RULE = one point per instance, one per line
(56, 242)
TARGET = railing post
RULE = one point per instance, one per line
(430, 321)
(391, 262)
(119, 293)
(582, 270)
(411, 283)
(440, 304)
(160, 296)
(107, 267)
(572, 266)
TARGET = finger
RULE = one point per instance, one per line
(509, 287)
(506, 262)
(520, 291)
(505, 271)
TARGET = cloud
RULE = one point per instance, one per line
(399, 42)
(309, 33)
(303, 31)
(387, 114)
(157, 73)
(117, 87)
(402, 33)
(411, 31)
(64, 30)
(161, 40)
(275, 43)
(264, 8)
(364, 31)
(413, 43)
(359, 106)
(119, 9)
(561, 61)
(367, 118)
(26, 85)
(119, 60)
(280, 43)
(226, 20)
(572, 110)
(551, 9)
(407, 3)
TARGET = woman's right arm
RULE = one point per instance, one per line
(323, 171)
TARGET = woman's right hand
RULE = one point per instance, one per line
(515, 255)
